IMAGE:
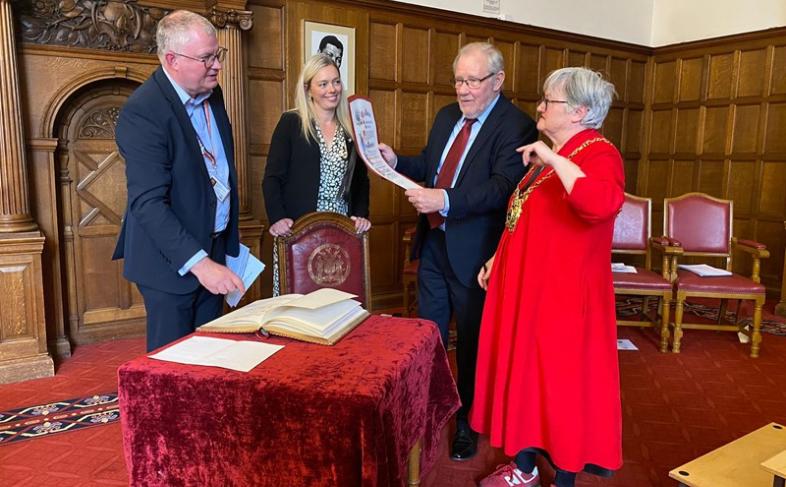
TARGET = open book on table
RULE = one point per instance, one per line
(322, 316)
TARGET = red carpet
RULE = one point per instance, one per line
(676, 407)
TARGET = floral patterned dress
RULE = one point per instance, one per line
(334, 160)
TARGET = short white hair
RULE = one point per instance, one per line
(494, 59)
(583, 88)
(174, 31)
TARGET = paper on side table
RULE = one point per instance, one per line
(218, 352)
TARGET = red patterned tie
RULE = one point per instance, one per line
(448, 170)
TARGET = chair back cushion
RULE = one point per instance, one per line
(699, 222)
(324, 251)
(632, 225)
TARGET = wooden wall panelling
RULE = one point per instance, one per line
(726, 103)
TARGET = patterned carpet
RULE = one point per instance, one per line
(770, 323)
(57, 417)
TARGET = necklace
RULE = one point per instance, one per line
(520, 195)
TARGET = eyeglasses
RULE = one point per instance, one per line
(473, 83)
(208, 60)
(546, 102)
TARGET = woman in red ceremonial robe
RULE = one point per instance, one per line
(547, 376)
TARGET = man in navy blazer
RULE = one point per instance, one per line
(470, 168)
(181, 219)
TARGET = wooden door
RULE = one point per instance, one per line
(100, 304)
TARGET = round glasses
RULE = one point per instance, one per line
(208, 60)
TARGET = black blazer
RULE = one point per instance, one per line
(171, 204)
(478, 200)
(291, 183)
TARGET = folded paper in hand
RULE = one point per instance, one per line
(620, 267)
(247, 267)
(323, 316)
(705, 270)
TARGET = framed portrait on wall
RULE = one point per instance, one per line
(337, 42)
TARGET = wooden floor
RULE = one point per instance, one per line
(676, 407)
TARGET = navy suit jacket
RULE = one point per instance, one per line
(171, 207)
(478, 199)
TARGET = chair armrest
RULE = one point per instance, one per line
(670, 249)
(757, 250)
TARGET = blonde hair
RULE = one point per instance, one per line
(174, 31)
(304, 105)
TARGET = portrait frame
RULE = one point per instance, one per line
(314, 32)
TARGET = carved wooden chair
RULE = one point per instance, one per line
(324, 250)
(702, 226)
(632, 236)
(409, 274)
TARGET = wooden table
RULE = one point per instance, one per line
(777, 467)
(736, 464)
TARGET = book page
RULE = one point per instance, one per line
(319, 298)
(218, 352)
(318, 322)
(250, 317)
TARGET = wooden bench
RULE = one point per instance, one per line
(739, 463)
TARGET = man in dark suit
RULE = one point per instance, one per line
(470, 167)
(181, 219)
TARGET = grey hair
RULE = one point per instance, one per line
(583, 88)
(174, 31)
(496, 62)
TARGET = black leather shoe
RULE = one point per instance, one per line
(465, 444)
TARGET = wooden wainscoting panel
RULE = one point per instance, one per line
(682, 180)
(636, 77)
(778, 86)
(444, 46)
(633, 131)
(661, 133)
(599, 62)
(551, 58)
(382, 51)
(527, 65)
(686, 135)
(742, 186)
(265, 41)
(507, 49)
(712, 177)
(721, 69)
(266, 98)
(775, 132)
(665, 79)
(746, 129)
(752, 68)
(658, 181)
(385, 114)
(618, 75)
(772, 196)
(612, 126)
(440, 101)
(385, 265)
(771, 231)
(415, 121)
(415, 55)
(577, 58)
(691, 72)
(716, 126)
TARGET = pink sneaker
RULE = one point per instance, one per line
(509, 475)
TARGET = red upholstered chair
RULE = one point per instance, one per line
(632, 236)
(324, 250)
(409, 274)
(702, 225)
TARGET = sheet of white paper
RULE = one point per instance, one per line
(625, 344)
(705, 270)
(218, 352)
(248, 267)
(367, 142)
(321, 297)
(622, 268)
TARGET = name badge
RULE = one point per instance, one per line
(221, 191)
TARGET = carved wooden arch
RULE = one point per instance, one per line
(64, 94)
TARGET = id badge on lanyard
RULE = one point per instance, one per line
(222, 192)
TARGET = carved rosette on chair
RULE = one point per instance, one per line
(632, 236)
(324, 250)
(23, 353)
(702, 226)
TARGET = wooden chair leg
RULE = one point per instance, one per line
(756, 335)
(664, 325)
(724, 303)
(675, 347)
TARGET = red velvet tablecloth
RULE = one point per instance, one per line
(310, 415)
